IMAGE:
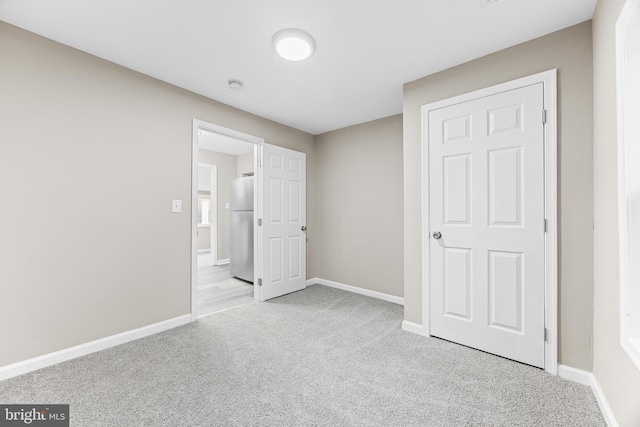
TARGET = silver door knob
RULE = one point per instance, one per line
(437, 235)
(303, 228)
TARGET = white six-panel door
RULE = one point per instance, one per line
(282, 237)
(486, 186)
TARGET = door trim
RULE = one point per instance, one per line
(549, 81)
(210, 127)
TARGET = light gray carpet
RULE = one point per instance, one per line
(317, 357)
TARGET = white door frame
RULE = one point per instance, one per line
(549, 81)
(210, 127)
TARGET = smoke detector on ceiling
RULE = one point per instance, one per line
(235, 84)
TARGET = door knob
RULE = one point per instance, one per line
(437, 235)
(303, 228)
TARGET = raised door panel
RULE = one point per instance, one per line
(505, 119)
(456, 189)
(276, 260)
(506, 284)
(276, 200)
(505, 187)
(294, 195)
(295, 260)
(457, 283)
(456, 129)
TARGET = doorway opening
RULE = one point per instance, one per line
(208, 214)
(220, 157)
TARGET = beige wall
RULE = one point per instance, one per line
(244, 164)
(570, 52)
(360, 205)
(99, 252)
(204, 238)
(616, 373)
(227, 170)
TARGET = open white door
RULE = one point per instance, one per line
(487, 224)
(281, 223)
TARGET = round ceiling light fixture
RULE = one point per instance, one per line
(293, 44)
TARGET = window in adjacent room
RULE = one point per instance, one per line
(628, 62)
(204, 211)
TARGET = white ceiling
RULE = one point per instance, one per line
(366, 49)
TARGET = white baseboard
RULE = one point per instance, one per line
(603, 403)
(575, 375)
(413, 328)
(40, 362)
(223, 261)
(356, 290)
(587, 378)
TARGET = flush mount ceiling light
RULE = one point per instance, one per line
(293, 44)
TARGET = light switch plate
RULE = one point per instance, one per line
(226, 205)
(176, 206)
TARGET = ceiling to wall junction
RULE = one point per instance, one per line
(365, 50)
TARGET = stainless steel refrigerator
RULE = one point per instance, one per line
(241, 239)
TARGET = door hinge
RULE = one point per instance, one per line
(259, 161)
(544, 116)
(259, 282)
(546, 335)
(546, 225)
(259, 222)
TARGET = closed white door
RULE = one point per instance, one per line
(283, 218)
(486, 208)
